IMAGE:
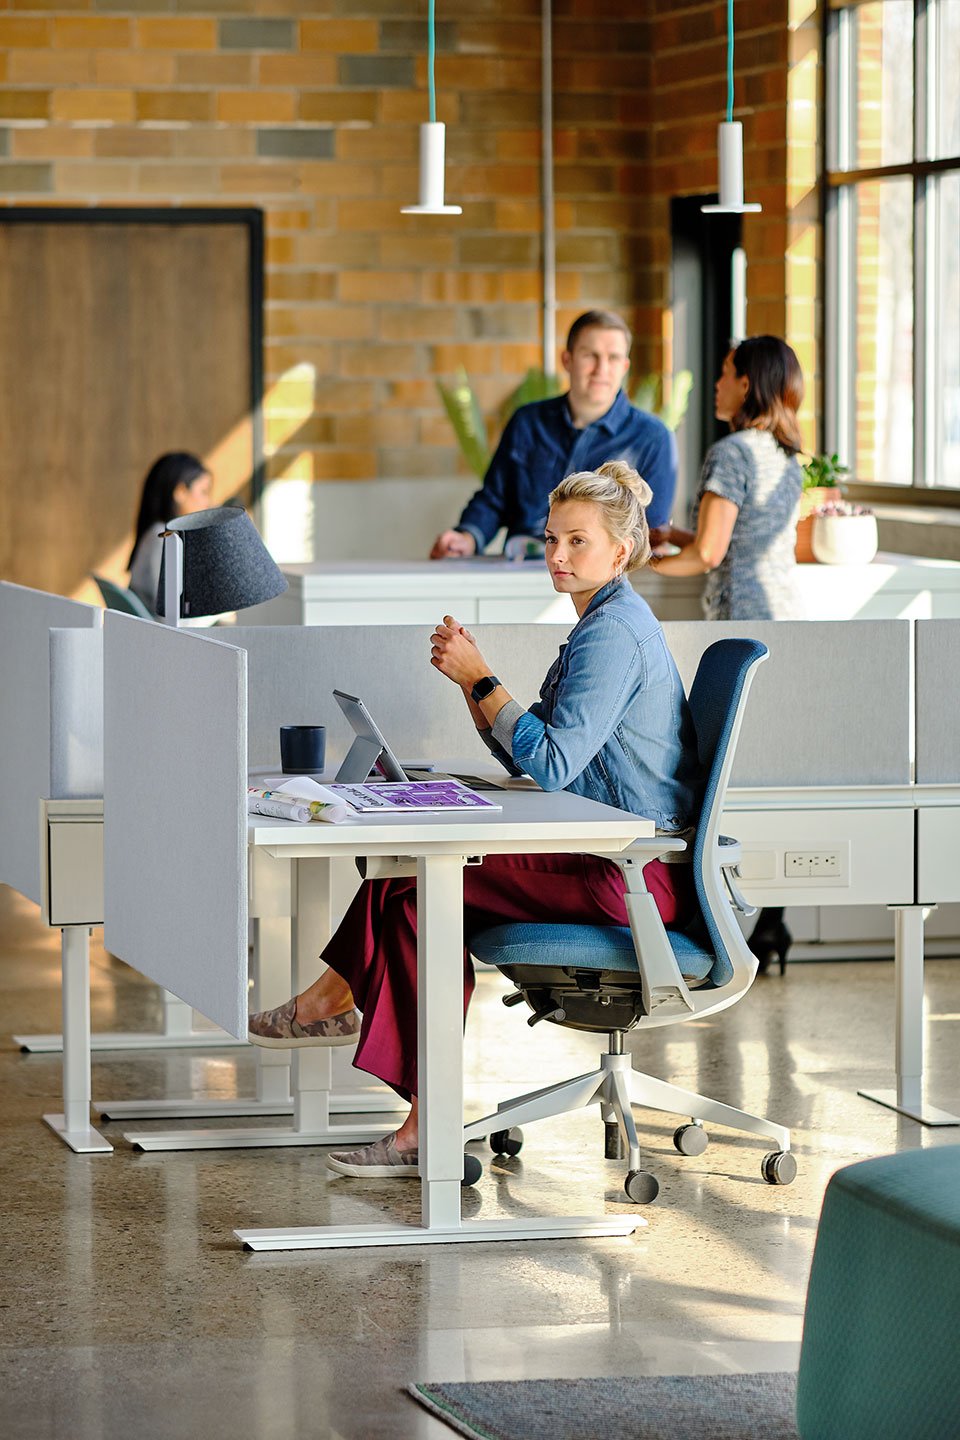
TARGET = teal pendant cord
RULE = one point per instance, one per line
(432, 55)
(729, 58)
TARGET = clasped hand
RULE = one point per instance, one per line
(453, 651)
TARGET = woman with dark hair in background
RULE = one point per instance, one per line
(176, 484)
(745, 519)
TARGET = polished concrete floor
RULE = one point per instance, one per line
(128, 1311)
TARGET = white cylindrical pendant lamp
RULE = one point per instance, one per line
(730, 153)
(432, 144)
(730, 156)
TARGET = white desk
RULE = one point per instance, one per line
(441, 845)
(489, 590)
(897, 845)
(484, 590)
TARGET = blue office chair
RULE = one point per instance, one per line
(611, 979)
(117, 597)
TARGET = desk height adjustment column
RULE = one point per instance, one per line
(907, 1099)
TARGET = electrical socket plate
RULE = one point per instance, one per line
(821, 864)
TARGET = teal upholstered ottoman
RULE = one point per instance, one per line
(881, 1334)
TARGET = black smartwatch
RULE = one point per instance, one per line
(483, 688)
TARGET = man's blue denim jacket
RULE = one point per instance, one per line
(612, 721)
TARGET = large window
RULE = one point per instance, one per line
(893, 242)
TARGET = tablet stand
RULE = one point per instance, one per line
(359, 761)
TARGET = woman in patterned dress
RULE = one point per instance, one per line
(745, 516)
(745, 519)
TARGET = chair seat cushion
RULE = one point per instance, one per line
(583, 947)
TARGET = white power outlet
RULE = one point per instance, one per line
(795, 864)
(816, 864)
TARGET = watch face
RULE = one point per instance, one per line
(485, 687)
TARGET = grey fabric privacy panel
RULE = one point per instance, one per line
(938, 701)
(295, 669)
(175, 831)
(76, 714)
(26, 618)
(831, 705)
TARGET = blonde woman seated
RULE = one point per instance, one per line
(611, 723)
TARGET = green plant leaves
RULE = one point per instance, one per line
(463, 410)
(824, 471)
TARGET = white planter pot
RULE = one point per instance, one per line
(845, 539)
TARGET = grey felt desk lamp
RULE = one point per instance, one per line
(214, 561)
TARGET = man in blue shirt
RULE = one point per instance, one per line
(550, 439)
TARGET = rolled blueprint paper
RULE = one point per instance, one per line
(282, 805)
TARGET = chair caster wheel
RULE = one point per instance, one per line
(472, 1170)
(641, 1187)
(778, 1168)
(691, 1139)
(507, 1142)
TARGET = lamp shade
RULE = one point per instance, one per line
(431, 202)
(730, 163)
(226, 565)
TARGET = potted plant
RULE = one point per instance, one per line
(821, 485)
(844, 534)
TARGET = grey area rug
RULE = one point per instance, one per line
(657, 1407)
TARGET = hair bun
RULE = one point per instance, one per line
(623, 474)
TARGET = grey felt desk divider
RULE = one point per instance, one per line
(938, 701)
(830, 707)
(26, 618)
(175, 828)
(295, 669)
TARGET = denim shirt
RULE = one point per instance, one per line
(541, 445)
(612, 722)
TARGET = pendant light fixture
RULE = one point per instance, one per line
(730, 147)
(432, 143)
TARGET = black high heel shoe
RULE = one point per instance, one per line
(770, 939)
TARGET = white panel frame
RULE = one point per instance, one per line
(26, 618)
(175, 772)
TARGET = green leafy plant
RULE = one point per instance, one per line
(647, 394)
(824, 472)
(465, 416)
(463, 412)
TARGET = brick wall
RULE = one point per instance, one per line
(775, 97)
(309, 109)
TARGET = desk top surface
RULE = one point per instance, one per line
(528, 815)
(487, 568)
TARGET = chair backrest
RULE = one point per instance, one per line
(116, 597)
(717, 700)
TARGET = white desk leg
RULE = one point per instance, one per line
(440, 1050)
(73, 1126)
(907, 1098)
(440, 1037)
(272, 988)
(312, 1075)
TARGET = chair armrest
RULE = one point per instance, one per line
(648, 849)
(661, 984)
